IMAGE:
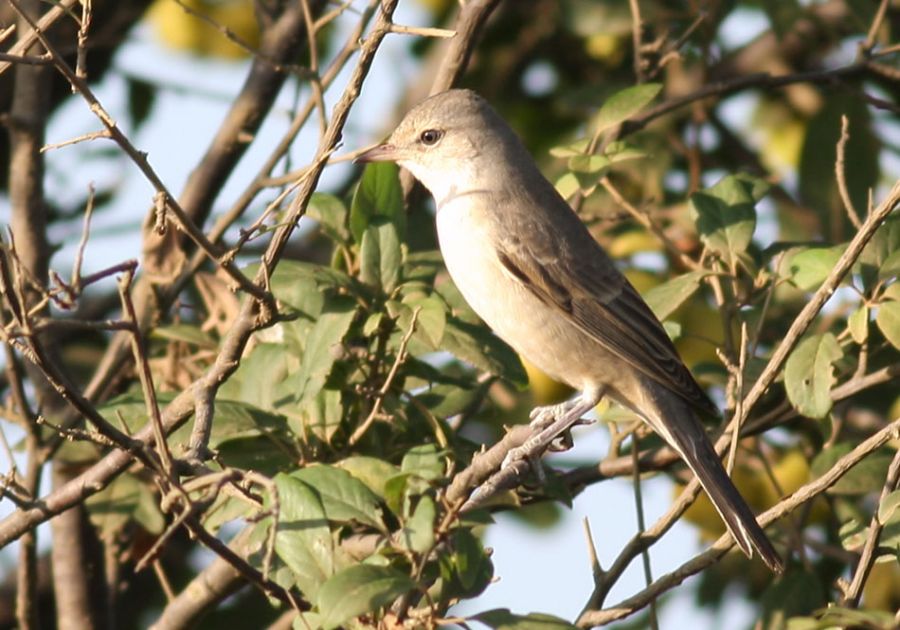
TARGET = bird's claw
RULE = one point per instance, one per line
(524, 453)
(543, 417)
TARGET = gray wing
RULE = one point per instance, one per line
(563, 266)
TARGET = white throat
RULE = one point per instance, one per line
(446, 184)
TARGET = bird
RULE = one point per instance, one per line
(528, 266)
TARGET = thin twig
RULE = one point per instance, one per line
(85, 137)
(639, 510)
(389, 380)
(865, 47)
(82, 244)
(739, 398)
(145, 375)
(637, 39)
(24, 42)
(806, 493)
(650, 225)
(423, 31)
(841, 175)
(140, 160)
(233, 344)
(868, 556)
(803, 320)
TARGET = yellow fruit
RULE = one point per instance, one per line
(179, 29)
(605, 47)
(782, 134)
(642, 280)
(633, 242)
(701, 333)
(792, 472)
(545, 390)
(882, 589)
(894, 411)
(437, 7)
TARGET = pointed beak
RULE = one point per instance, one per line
(385, 152)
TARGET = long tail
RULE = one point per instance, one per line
(680, 428)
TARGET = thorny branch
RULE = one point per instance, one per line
(100, 474)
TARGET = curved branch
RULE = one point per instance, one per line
(806, 493)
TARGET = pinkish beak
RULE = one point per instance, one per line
(381, 153)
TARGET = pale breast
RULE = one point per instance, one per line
(536, 331)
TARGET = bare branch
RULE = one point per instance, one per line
(841, 175)
(868, 556)
(722, 545)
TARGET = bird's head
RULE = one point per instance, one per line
(447, 142)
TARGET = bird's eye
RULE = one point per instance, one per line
(430, 137)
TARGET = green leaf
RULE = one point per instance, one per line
(888, 320)
(477, 346)
(344, 497)
(623, 105)
(380, 256)
(592, 164)
(782, 15)
(331, 213)
(186, 333)
(468, 563)
(324, 339)
(503, 619)
(444, 401)
(567, 185)
(425, 460)
(258, 376)
(797, 592)
(126, 499)
(371, 471)
(858, 324)
(664, 299)
(890, 268)
(863, 478)
(300, 285)
(673, 329)
(418, 532)
(620, 151)
(835, 617)
(320, 414)
(879, 255)
(307, 620)
(810, 267)
(809, 374)
(358, 590)
(261, 454)
(725, 215)
(853, 534)
(430, 322)
(578, 147)
(141, 97)
(303, 540)
(378, 195)
(233, 419)
(889, 508)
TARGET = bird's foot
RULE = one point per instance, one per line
(552, 425)
(544, 417)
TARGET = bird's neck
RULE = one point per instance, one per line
(449, 185)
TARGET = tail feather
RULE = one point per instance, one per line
(678, 425)
(735, 512)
